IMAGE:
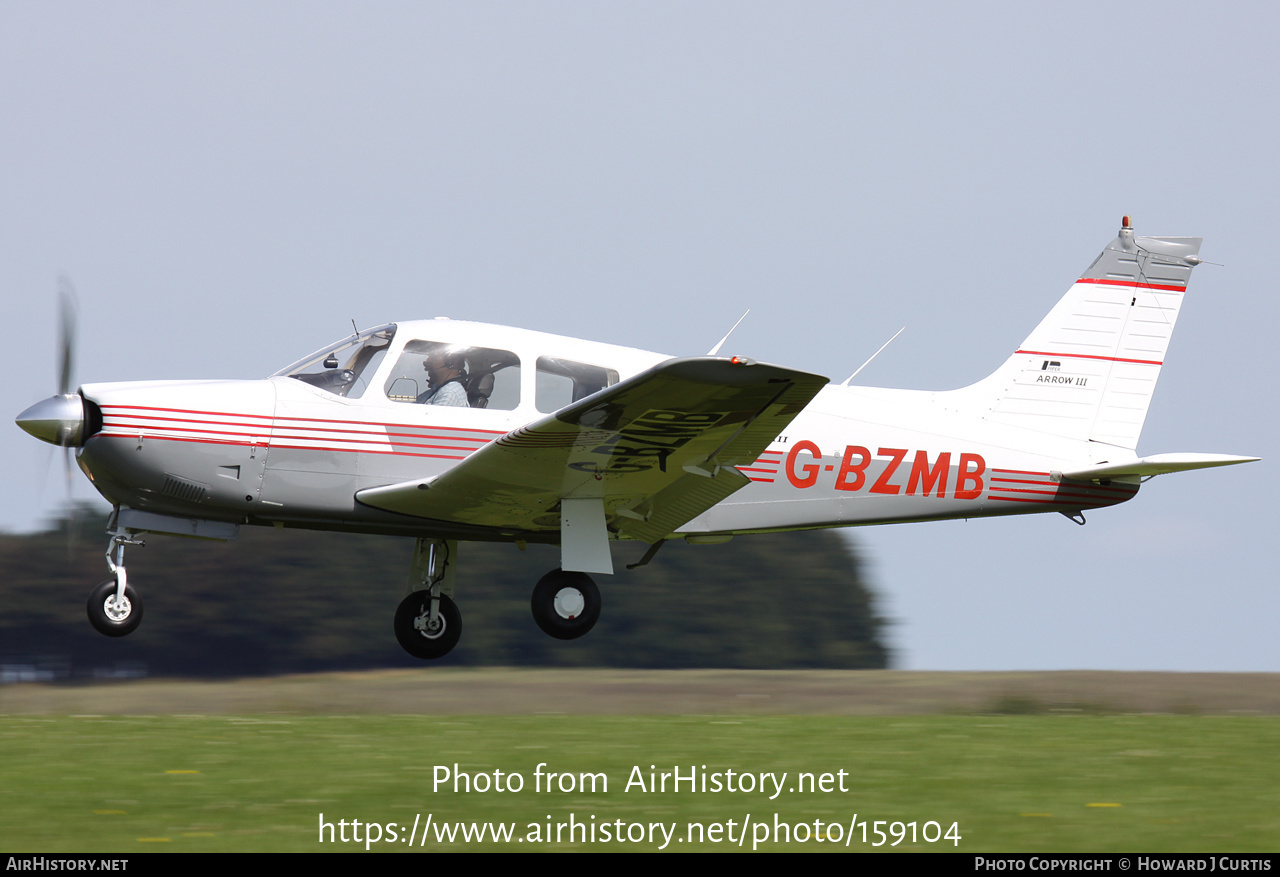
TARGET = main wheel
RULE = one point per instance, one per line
(565, 604)
(415, 633)
(112, 616)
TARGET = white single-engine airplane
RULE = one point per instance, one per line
(450, 431)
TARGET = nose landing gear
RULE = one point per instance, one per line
(115, 609)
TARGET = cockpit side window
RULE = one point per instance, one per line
(345, 368)
(440, 373)
(562, 381)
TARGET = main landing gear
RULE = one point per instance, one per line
(565, 604)
(428, 624)
(115, 609)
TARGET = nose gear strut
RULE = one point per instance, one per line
(115, 609)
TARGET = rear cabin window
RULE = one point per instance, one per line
(440, 373)
(562, 382)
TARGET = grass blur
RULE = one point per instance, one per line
(1075, 782)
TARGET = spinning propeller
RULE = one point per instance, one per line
(60, 419)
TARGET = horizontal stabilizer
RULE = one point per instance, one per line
(1159, 464)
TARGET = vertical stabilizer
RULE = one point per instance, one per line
(1088, 371)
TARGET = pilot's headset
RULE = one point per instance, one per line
(455, 359)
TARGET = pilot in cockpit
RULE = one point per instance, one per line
(446, 371)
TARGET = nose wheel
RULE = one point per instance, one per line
(113, 614)
(565, 604)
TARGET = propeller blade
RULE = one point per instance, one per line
(67, 312)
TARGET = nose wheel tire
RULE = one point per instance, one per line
(111, 615)
(565, 604)
(415, 632)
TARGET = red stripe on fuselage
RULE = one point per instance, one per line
(128, 420)
(274, 445)
(277, 420)
(284, 432)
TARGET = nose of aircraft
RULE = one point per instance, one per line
(58, 420)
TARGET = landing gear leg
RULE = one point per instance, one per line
(115, 609)
(427, 622)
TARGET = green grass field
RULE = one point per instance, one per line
(1012, 782)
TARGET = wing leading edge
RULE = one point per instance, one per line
(647, 455)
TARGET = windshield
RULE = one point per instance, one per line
(344, 368)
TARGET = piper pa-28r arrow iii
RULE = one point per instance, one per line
(450, 431)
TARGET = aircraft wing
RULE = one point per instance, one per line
(653, 451)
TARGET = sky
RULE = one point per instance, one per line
(230, 184)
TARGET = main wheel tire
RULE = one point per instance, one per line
(423, 643)
(113, 617)
(565, 604)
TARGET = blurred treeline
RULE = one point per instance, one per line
(295, 601)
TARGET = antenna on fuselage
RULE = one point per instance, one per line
(873, 356)
(353, 326)
(714, 350)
